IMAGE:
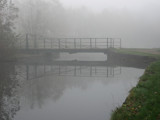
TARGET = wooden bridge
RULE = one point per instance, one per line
(34, 44)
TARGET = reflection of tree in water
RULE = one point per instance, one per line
(9, 103)
(42, 86)
(38, 91)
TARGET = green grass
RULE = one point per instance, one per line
(135, 51)
(143, 103)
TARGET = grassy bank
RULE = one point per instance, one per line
(143, 103)
(142, 52)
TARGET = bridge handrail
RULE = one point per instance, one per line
(34, 41)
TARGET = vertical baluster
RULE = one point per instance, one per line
(65, 43)
(75, 71)
(107, 42)
(120, 43)
(107, 72)
(113, 71)
(91, 71)
(59, 44)
(95, 42)
(80, 43)
(35, 41)
(51, 43)
(27, 41)
(27, 72)
(59, 70)
(44, 43)
(113, 43)
(20, 46)
(90, 42)
(35, 67)
(110, 42)
(75, 43)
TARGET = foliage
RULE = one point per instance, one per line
(143, 101)
(9, 103)
(8, 13)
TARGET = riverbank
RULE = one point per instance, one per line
(155, 53)
(143, 102)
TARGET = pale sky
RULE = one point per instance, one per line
(99, 5)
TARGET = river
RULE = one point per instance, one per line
(79, 91)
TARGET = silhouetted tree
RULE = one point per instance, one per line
(8, 12)
(9, 103)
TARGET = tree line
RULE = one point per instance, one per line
(50, 18)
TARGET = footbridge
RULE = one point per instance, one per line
(41, 44)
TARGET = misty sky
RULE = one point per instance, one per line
(149, 9)
(137, 22)
(99, 5)
(142, 18)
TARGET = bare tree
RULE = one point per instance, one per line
(41, 17)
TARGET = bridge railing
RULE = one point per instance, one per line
(40, 42)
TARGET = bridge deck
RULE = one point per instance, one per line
(41, 50)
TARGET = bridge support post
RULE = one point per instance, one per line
(59, 70)
(20, 44)
(120, 43)
(107, 42)
(113, 42)
(44, 69)
(113, 71)
(90, 42)
(27, 41)
(35, 68)
(95, 70)
(65, 43)
(107, 71)
(75, 71)
(35, 41)
(27, 72)
(80, 70)
(51, 43)
(75, 43)
(59, 43)
(91, 71)
(110, 42)
(80, 43)
(44, 43)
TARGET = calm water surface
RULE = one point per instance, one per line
(55, 92)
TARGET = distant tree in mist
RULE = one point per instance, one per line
(8, 13)
(49, 18)
(41, 17)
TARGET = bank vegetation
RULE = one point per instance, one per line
(143, 102)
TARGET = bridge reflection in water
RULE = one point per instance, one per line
(39, 67)
(38, 71)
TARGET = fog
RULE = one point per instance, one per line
(137, 22)
(58, 61)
